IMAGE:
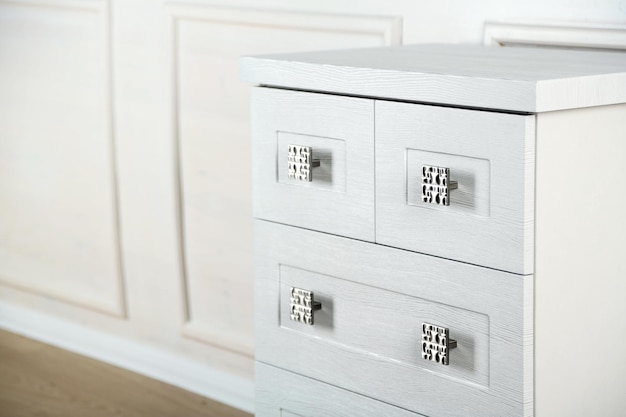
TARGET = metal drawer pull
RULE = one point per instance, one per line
(436, 343)
(436, 185)
(301, 162)
(303, 305)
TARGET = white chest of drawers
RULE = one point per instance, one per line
(407, 197)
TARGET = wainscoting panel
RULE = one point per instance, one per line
(58, 209)
(211, 131)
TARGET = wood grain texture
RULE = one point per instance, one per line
(396, 318)
(40, 380)
(580, 264)
(494, 226)
(284, 394)
(337, 355)
(516, 79)
(320, 121)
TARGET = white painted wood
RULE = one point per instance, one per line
(580, 325)
(489, 221)
(58, 208)
(360, 326)
(148, 199)
(386, 324)
(397, 319)
(211, 113)
(284, 394)
(592, 36)
(359, 330)
(524, 79)
(329, 29)
(454, 21)
(338, 128)
(144, 358)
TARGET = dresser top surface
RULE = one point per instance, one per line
(514, 79)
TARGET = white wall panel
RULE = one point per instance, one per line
(212, 133)
(456, 21)
(58, 225)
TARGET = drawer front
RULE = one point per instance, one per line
(335, 132)
(488, 218)
(367, 337)
(281, 393)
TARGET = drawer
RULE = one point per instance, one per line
(489, 219)
(367, 335)
(281, 393)
(339, 132)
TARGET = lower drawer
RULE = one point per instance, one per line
(367, 337)
(284, 394)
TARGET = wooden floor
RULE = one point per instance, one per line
(43, 381)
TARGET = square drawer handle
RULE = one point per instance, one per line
(436, 343)
(300, 162)
(303, 306)
(436, 185)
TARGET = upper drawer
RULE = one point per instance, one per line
(489, 219)
(368, 337)
(293, 130)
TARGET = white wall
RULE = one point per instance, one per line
(459, 21)
(124, 161)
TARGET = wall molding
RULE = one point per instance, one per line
(116, 306)
(605, 37)
(82, 5)
(389, 28)
(141, 358)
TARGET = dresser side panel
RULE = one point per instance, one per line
(580, 262)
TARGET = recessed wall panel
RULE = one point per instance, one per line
(58, 225)
(213, 139)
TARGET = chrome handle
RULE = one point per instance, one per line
(436, 343)
(303, 305)
(436, 185)
(301, 163)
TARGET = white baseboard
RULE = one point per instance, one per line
(141, 358)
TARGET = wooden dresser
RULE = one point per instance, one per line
(441, 231)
